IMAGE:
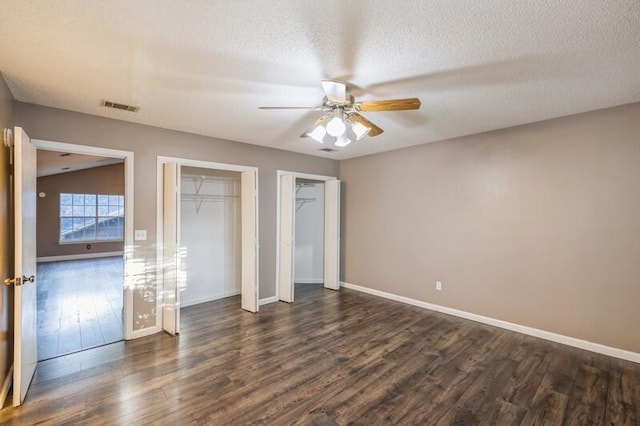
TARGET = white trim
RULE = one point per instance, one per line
(44, 259)
(80, 149)
(206, 164)
(306, 175)
(268, 300)
(4, 392)
(209, 298)
(280, 173)
(547, 335)
(129, 258)
(181, 161)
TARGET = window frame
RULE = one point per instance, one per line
(96, 218)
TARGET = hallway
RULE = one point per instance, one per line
(79, 305)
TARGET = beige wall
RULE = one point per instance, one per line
(147, 143)
(537, 225)
(6, 240)
(98, 180)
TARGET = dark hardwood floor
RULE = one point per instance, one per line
(79, 305)
(332, 358)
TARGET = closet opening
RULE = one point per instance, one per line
(208, 229)
(308, 232)
(308, 253)
(210, 234)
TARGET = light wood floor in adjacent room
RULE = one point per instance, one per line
(332, 358)
(79, 305)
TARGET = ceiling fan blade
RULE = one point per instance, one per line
(390, 105)
(336, 91)
(375, 130)
(291, 107)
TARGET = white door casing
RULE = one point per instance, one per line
(25, 356)
(332, 234)
(287, 237)
(249, 230)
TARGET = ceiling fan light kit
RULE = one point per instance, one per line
(343, 124)
(336, 126)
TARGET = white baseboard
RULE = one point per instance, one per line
(6, 385)
(310, 281)
(79, 256)
(205, 299)
(268, 300)
(554, 337)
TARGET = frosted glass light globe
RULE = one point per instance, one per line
(336, 127)
(342, 141)
(318, 134)
(360, 130)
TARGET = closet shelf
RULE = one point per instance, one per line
(206, 197)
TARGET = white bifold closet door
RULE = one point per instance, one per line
(332, 234)
(249, 226)
(287, 236)
(170, 249)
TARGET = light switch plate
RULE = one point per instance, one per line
(140, 235)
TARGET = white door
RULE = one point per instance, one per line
(249, 226)
(332, 234)
(25, 355)
(170, 249)
(287, 237)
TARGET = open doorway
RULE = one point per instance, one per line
(308, 229)
(208, 225)
(80, 247)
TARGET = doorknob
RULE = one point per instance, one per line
(17, 281)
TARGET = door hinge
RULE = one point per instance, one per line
(7, 138)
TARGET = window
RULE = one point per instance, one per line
(91, 217)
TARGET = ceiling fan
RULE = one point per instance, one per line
(343, 122)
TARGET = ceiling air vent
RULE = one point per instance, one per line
(327, 149)
(123, 107)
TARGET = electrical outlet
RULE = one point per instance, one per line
(140, 235)
(438, 285)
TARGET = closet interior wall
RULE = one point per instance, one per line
(209, 234)
(309, 232)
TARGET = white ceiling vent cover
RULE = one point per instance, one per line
(123, 107)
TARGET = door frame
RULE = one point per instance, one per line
(181, 161)
(296, 175)
(129, 260)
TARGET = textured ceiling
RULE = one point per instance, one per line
(54, 163)
(205, 66)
